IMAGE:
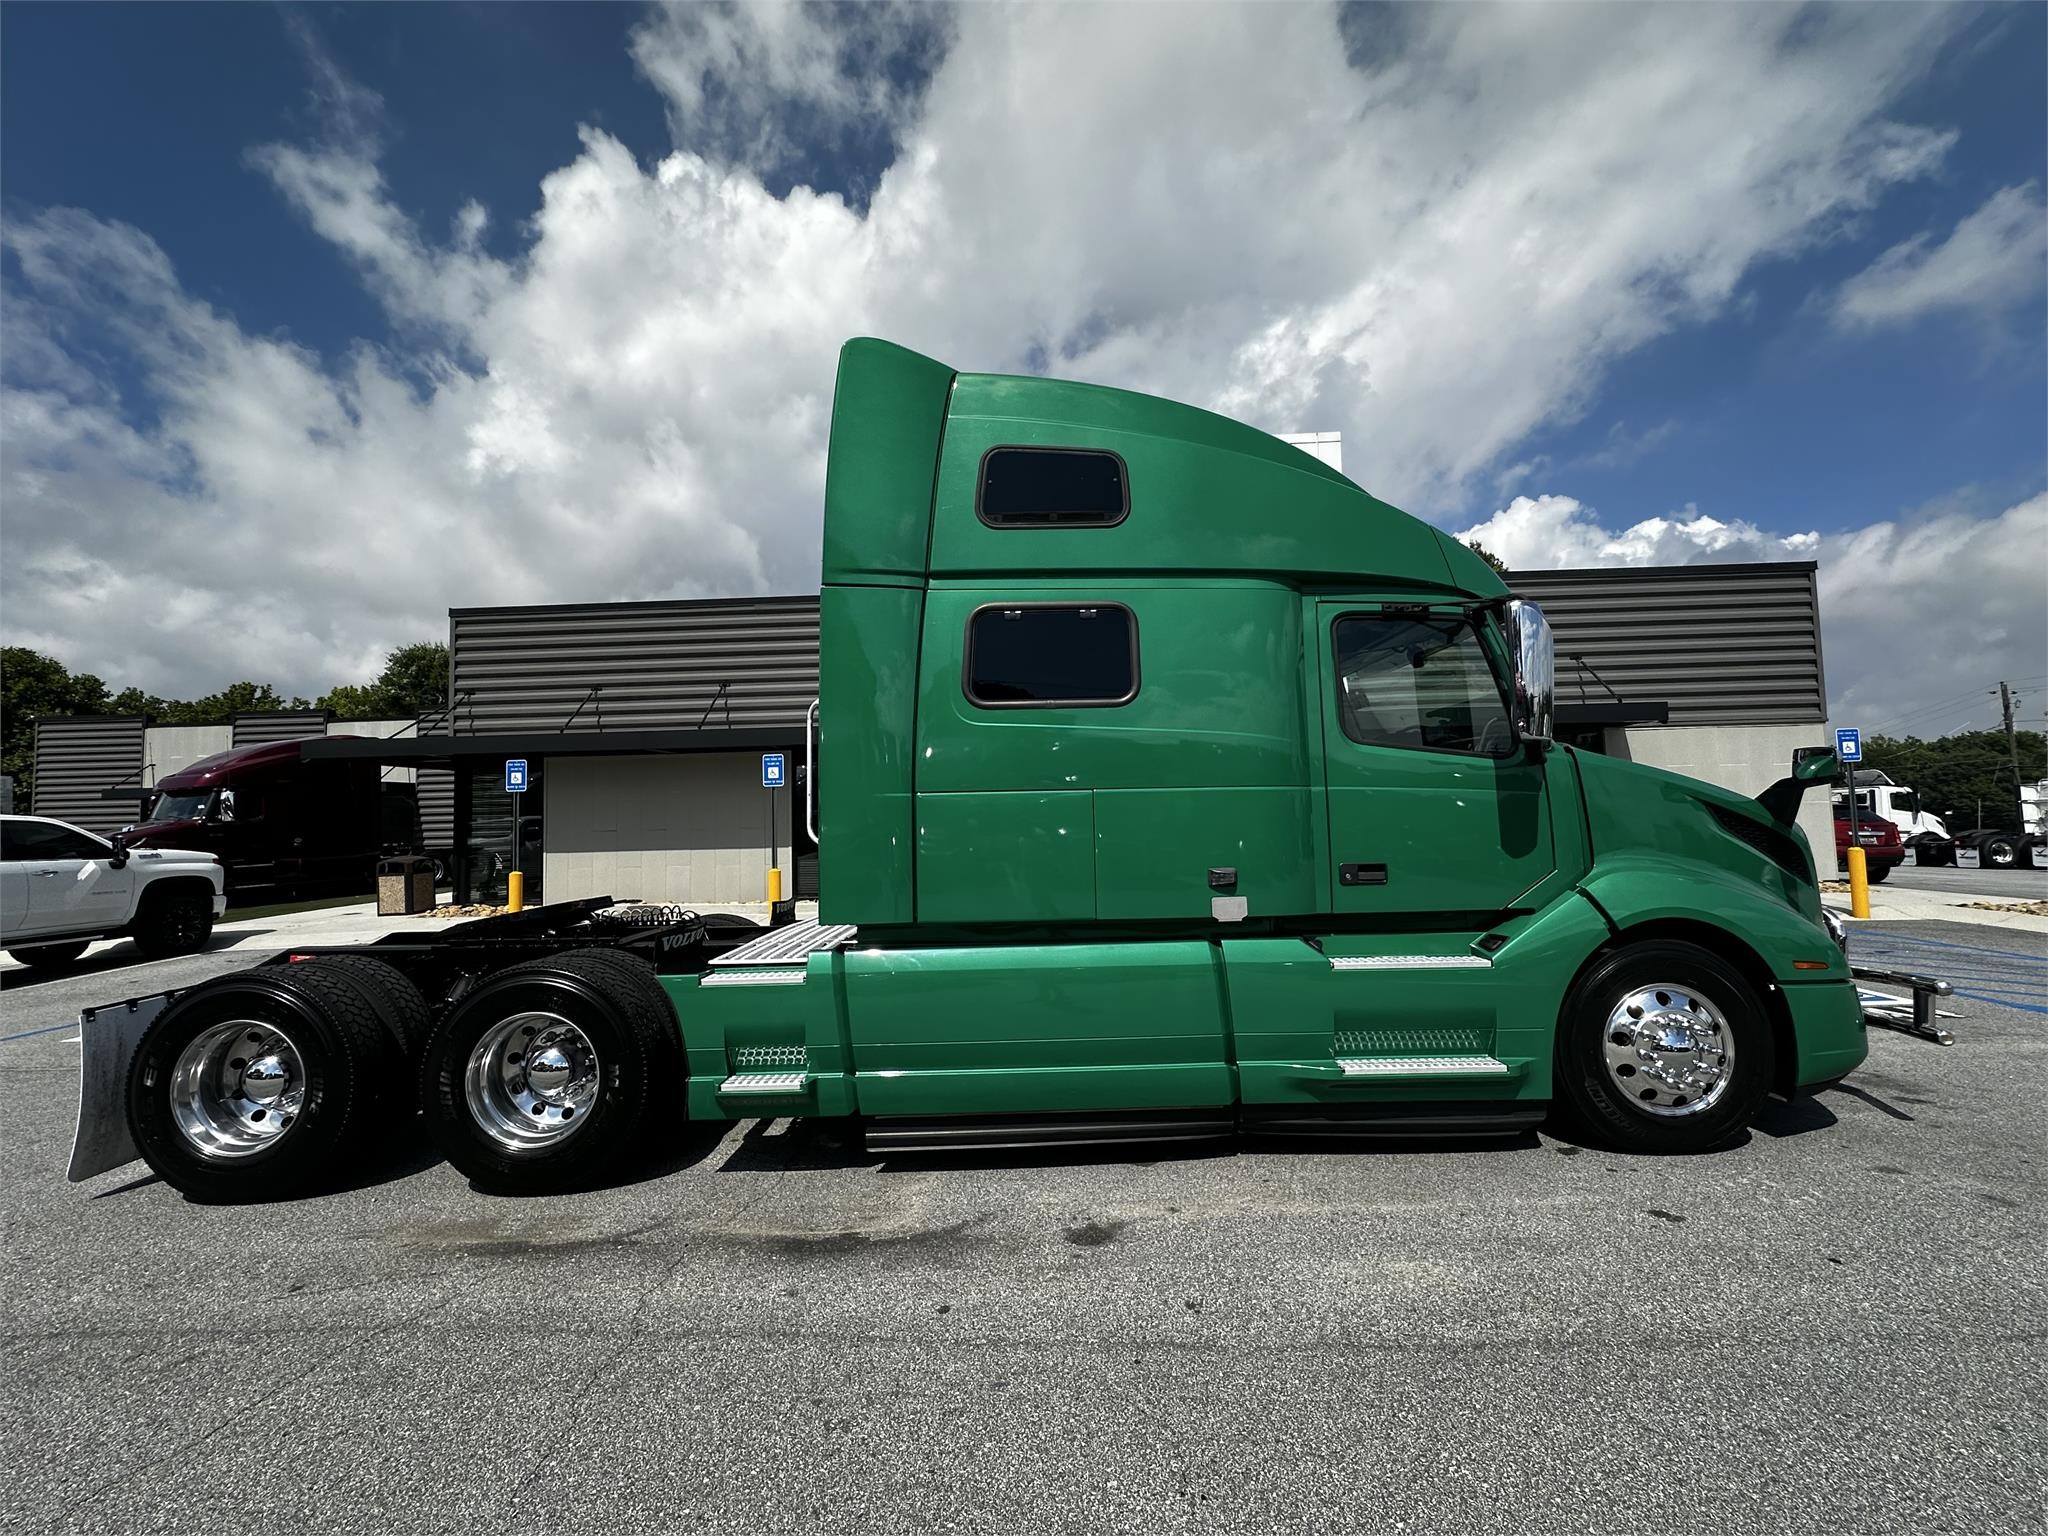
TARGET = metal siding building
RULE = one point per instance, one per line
(633, 666)
(78, 758)
(1718, 644)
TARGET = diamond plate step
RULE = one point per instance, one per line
(1424, 1066)
(791, 975)
(765, 1082)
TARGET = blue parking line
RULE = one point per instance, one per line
(1975, 949)
(30, 1034)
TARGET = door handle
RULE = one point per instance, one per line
(46, 874)
(1361, 874)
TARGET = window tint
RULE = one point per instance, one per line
(1047, 487)
(47, 840)
(1419, 682)
(1018, 656)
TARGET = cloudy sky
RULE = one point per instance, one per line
(319, 322)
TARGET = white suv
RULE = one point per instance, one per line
(61, 888)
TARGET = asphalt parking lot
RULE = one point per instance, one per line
(1834, 1327)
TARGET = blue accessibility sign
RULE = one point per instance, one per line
(772, 770)
(515, 775)
(1849, 745)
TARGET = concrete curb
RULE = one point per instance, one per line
(1942, 906)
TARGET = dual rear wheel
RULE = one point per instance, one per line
(284, 1080)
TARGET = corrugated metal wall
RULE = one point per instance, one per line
(78, 756)
(1721, 644)
(660, 665)
(284, 725)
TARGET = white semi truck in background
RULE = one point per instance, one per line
(1929, 836)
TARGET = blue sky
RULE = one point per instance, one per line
(1611, 359)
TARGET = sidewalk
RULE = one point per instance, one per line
(1888, 905)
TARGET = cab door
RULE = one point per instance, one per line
(1433, 806)
(72, 888)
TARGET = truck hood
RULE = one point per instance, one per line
(157, 858)
(1632, 808)
(159, 834)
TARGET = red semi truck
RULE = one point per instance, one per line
(278, 821)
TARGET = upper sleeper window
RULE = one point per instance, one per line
(1041, 655)
(1052, 488)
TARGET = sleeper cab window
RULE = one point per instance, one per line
(1422, 682)
(1051, 655)
(1052, 488)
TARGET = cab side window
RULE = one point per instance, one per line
(1051, 655)
(47, 840)
(1421, 682)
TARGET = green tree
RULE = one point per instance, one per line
(414, 682)
(1499, 565)
(1954, 773)
(34, 686)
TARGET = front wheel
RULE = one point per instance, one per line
(174, 922)
(1662, 1046)
(49, 957)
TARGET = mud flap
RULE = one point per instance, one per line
(108, 1036)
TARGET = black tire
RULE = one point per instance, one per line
(1998, 853)
(348, 1076)
(176, 920)
(1875, 873)
(51, 957)
(398, 1003)
(1592, 1096)
(625, 1018)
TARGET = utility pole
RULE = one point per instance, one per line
(2012, 744)
(2012, 741)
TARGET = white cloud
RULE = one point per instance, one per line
(1995, 257)
(1438, 250)
(1931, 607)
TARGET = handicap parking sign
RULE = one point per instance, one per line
(1849, 745)
(771, 770)
(515, 775)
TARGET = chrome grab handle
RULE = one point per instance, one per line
(811, 770)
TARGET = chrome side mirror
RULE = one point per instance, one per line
(1534, 655)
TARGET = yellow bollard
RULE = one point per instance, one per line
(1859, 884)
(515, 892)
(774, 886)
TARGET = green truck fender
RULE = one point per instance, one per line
(1787, 955)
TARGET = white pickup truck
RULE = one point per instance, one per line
(61, 887)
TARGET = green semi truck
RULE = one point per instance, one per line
(1166, 785)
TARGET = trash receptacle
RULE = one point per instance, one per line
(404, 885)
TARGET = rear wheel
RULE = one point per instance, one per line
(262, 1084)
(176, 920)
(50, 957)
(1662, 1046)
(547, 1076)
(1998, 852)
(1875, 873)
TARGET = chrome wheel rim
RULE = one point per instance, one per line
(237, 1089)
(531, 1080)
(1669, 1050)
